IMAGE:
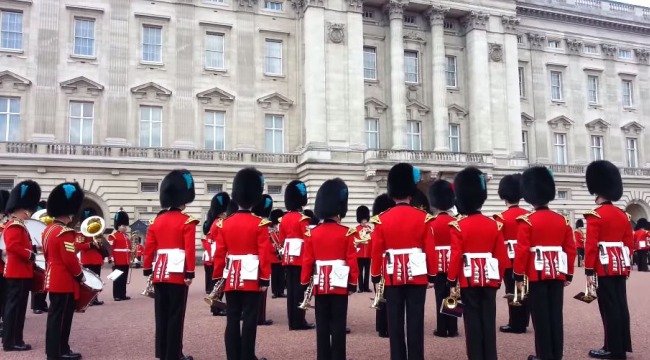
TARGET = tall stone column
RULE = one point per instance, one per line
(355, 83)
(540, 95)
(395, 10)
(313, 32)
(436, 16)
(475, 25)
(117, 89)
(511, 56)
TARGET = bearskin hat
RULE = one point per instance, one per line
(65, 199)
(87, 212)
(580, 224)
(538, 186)
(209, 219)
(4, 196)
(41, 205)
(232, 208)
(510, 188)
(441, 195)
(275, 216)
(219, 203)
(470, 186)
(25, 195)
(604, 180)
(331, 199)
(264, 207)
(363, 213)
(295, 195)
(382, 203)
(641, 224)
(420, 201)
(313, 220)
(121, 218)
(247, 187)
(177, 189)
(402, 181)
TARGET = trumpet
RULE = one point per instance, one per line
(41, 215)
(215, 295)
(452, 301)
(379, 294)
(306, 301)
(520, 295)
(148, 290)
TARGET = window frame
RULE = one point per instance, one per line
(591, 46)
(525, 143)
(273, 2)
(410, 135)
(374, 69)
(596, 90)
(6, 137)
(628, 149)
(417, 66)
(160, 46)
(626, 51)
(214, 51)
(21, 34)
(94, 38)
(454, 73)
(454, 137)
(554, 41)
(559, 86)
(267, 57)
(522, 81)
(151, 121)
(81, 119)
(597, 148)
(629, 82)
(214, 127)
(564, 146)
(274, 130)
(368, 132)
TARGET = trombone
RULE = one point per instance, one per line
(520, 296)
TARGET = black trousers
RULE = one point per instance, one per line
(17, 293)
(119, 285)
(642, 260)
(39, 301)
(364, 274)
(170, 300)
(407, 299)
(581, 256)
(277, 279)
(59, 324)
(518, 316)
(295, 296)
(331, 317)
(240, 342)
(546, 302)
(209, 284)
(445, 325)
(612, 302)
(381, 319)
(261, 317)
(479, 316)
(3, 288)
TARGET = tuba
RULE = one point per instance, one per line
(42, 216)
(93, 227)
(215, 295)
(148, 290)
(452, 305)
(306, 301)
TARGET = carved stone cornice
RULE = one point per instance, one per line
(510, 24)
(643, 55)
(355, 5)
(536, 40)
(247, 4)
(475, 20)
(395, 9)
(300, 6)
(436, 14)
(336, 32)
(415, 37)
(574, 45)
(496, 52)
(609, 49)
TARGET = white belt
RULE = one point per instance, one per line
(125, 250)
(404, 251)
(440, 248)
(243, 257)
(164, 251)
(320, 263)
(293, 239)
(471, 256)
(608, 244)
(546, 249)
(513, 242)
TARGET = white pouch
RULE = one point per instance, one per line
(339, 276)
(563, 262)
(176, 262)
(295, 247)
(539, 260)
(249, 269)
(642, 244)
(510, 246)
(603, 254)
(417, 264)
(626, 256)
(492, 266)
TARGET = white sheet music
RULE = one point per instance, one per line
(114, 275)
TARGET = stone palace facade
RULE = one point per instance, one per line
(115, 93)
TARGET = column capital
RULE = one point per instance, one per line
(536, 40)
(355, 5)
(643, 55)
(300, 6)
(510, 24)
(609, 50)
(436, 14)
(574, 45)
(475, 20)
(395, 8)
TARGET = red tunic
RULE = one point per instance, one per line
(580, 239)
(2, 264)
(471, 236)
(641, 240)
(293, 226)
(544, 230)
(400, 229)
(19, 251)
(89, 254)
(608, 225)
(364, 249)
(508, 220)
(274, 236)
(329, 241)
(243, 242)
(207, 250)
(121, 248)
(171, 231)
(63, 267)
(442, 237)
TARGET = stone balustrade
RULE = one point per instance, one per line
(580, 170)
(428, 156)
(604, 8)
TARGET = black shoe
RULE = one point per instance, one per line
(117, 299)
(282, 296)
(532, 357)
(382, 334)
(21, 347)
(348, 330)
(511, 330)
(188, 357)
(98, 302)
(37, 311)
(274, 296)
(305, 326)
(439, 334)
(602, 354)
(265, 323)
(262, 358)
(453, 335)
(359, 291)
(126, 298)
(71, 356)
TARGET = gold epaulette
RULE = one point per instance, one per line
(351, 231)
(499, 225)
(499, 215)
(263, 222)
(375, 220)
(428, 218)
(69, 247)
(629, 217)
(190, 219)
(151, 221)
(308, 233)
(280, 219)
(568, 221)
(455, 224)
(65, 229)
(460, 217)
(16, 222)
(220, 223)
(525, 219)
(592, 213)
(304, 217)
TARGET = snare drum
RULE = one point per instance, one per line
(89, 290)
(38, 282)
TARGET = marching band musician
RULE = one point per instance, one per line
(641, 244)
(293, 227)
(545, 253)
(441, 196)
(91, 254)
(403, 245)
(363, 252)
(510, 192)
(477, 263)
(580, 241)
(607, 257)
(64, 272)
(329, 249)
(420, 201)
(263, 210)
(39, 302)
(222, 208)
(218, 207)
(121, 246)
(4, 196)
(170, 239)
(19, 267)
(277, 274)
(381, 204)
(242, 250)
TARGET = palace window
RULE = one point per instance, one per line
(625, 54)
(274, 133)
(214, 51)
(450, 70)
(628, 93)
(592, 89)
(560, 147)
(273, 57)
(414, 135)
(11, 30)
(214, 188)
(84, 37)
(372, 133)
(522, 82)
(556, 86)
(81, 122)
(369, 63)
(215, 130)
(524, 142)
(9, 118)
(454, 137)
(554, 44)
(597, 148)
(151, 44)
(411, 66)
(632, 152)
(590, 49)
(150, 126)
(273, 5)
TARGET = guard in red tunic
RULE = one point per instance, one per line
(63, 269)
(121, 246)
(441, 196)
(579, 236)
(242, 250)
(19, 266)
(218, 207)
(4, 196)
(381, 204)
(607, 256)
(91, 250)
(641, 245)
(293, 226)
(39, 302)
(169, 246)
(545, 253)
(403, 253)
(278, 283)
(263, 210)
(363, 248)
(330, 264)
(510, 193)
(477, 263)
(420, 201)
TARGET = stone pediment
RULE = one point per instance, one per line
(13, 80)
(459, 110)
(215, 95)
(379, 106)
(561, 122)
(632, 127)
(597, 125)
(73, 85)
(151, 88)
(266, 101)
(526, 119)
(418, 106)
